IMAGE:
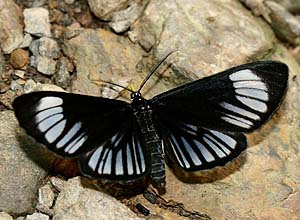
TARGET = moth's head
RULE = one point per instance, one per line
(136, 96)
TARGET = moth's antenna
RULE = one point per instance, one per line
(114, 84)
(154, 69)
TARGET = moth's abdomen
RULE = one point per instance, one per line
(153, 146)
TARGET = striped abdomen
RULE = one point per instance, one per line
(153, 146)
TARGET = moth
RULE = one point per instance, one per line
(197, 126)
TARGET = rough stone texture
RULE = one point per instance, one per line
(62, 76)
(105, 9)
(11, 30)
(37, 216)
(26, 41)
(46, 65)
(37, 22)
(48, 48)
(5, 216)
(78, 200)
(285, 25)
(224, 34)
(122, 20)
(46, 196)
(99, 54)
(22, 167)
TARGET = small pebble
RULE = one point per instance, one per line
(19, 58)
(37, 21)
(37, 216)
(57, 183)
(5, 216)
(20, 73)
(46, 196)
(49, 48)
(29, 86)
(69, 2)
(142, 209)
(26, 41)
(46, 65)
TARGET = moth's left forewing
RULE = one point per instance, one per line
(240, 99)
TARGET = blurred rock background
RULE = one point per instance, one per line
(68, 44)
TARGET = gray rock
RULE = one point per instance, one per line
(79, 200)
(26, 41)
(285, 25)
(208, 42)
(122, 20)
(104, 56)
(46, 65)
(5, 216)
(23, 165)
(49, 48)
(11, 30)
(14, 85)
(29, 86)
(46, 196)
(104, 9)
(258, 8)
(37, 22)
(62, 77)
(37, 216)
(57, 182)
(34, 47)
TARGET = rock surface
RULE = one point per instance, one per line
(11, 30)
(22, 167)
(37, 22)
(105, 9)
(78, 200)
(99, 54)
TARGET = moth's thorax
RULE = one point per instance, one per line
(139, 104)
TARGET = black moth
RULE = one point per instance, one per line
(198, 125)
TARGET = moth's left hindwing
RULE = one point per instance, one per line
(70, 124)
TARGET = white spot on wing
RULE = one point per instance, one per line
(49, 122)
(129, 160)
(69, 135)
(206, 154)
(254, 93)
(94, 160)
(100, 168)
(237, 121)
(175, 145)
(107, 166)
(250, 84)
(76, 144)
(239, 111)
(191, 152)
(55, 131)
(119, 163)
(46, 113)
(254, 104)
(243, 75)
(214, 147)
(225, 138)
(48, 102)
